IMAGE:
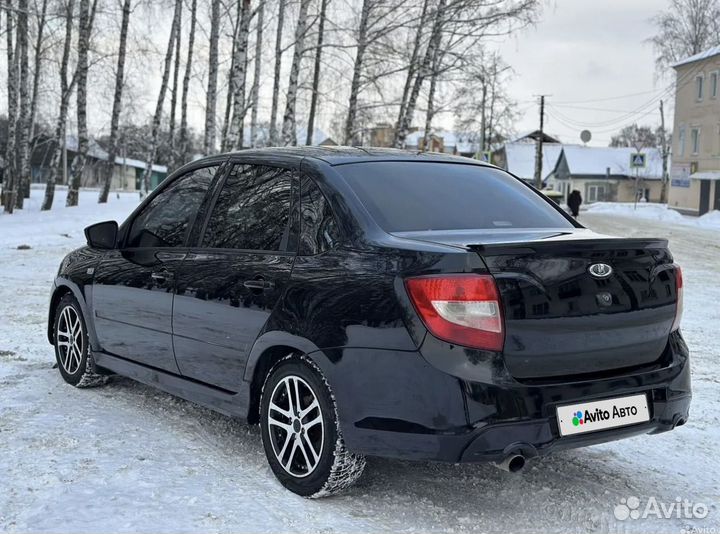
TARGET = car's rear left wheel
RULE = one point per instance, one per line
(300, 431)
(72, 346)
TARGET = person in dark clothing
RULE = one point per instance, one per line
(574, 200)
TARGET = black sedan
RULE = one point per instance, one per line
(376, 302)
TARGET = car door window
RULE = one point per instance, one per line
(318, 231)
(166, 220)
(252, 210)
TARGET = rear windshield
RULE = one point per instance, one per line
(407, 196)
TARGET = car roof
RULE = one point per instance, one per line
(340, 155)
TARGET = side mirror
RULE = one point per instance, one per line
(102, 234)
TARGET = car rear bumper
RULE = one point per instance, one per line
(394, 404)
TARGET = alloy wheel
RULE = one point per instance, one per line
(70, 340)
(295, 426)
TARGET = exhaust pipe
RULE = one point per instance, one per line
(513, 463)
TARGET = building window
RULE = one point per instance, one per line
(714, 84)
(596, 193)
(699, 82)
(695, 140)
(681, 142)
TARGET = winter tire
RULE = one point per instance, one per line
(72, 346)
(300, 431)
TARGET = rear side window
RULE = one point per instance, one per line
(252, 211)
(415, 196)
(318, 231)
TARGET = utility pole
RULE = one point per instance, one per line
(539, 146)
(664, 149)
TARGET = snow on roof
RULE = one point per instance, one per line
(97, 152)
(520, 158)
(592, 160)
(136, 163)
(710, 52)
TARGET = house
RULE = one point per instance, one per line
(127, 172)
(444, 141)
(606, 174)
(695, 171)
(518, 157)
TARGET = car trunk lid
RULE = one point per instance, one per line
(563, 317)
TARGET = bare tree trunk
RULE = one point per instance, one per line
(22, 180)
(256, 76)
(9, 181)
(289, 131)
(78, 164)
(430, 113)
(183, 142)
(224, 145)
(211, 102)
(41, 22)
(276, 77)
(412, 71)
(174, 93)
(152, 152)
(316, 73)
(239, 78)
(424, 69)
(117, 104)
(65, 92)
(350, 127)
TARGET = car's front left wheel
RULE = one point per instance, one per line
(72, 345)
(300, 431)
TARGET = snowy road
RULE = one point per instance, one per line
(129, 458)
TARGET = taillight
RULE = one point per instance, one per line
(679, 293)
(460, 308)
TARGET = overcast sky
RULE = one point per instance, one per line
(582, 53)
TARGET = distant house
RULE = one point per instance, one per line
(605, 174)
(444, 141)
(127, 172)
(695, 171)
(518, 157)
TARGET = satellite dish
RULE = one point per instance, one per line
(585, 136)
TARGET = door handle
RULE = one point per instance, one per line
(258, 284)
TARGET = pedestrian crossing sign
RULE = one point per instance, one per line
(486, 156)
(637, 160)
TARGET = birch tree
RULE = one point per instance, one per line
(403, 127)
(350, 133)
(22, 179)
(78, 164)
(37, 67)
(256, 75)
(183, 141)
(289, 131)
(174, 92)
(9, 181)
(211, 99)
(239, 77)
(152, 151)
(117, 104)
(66, 86)
(277, 72)
(315, 95)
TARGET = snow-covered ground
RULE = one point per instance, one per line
(128, 458)
(655, 212)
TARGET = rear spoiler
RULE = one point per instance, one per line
(597, 243)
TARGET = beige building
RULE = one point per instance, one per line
(606, 174)
(695, 172)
